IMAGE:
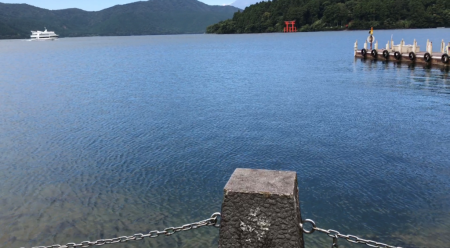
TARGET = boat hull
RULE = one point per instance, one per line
(43, 39)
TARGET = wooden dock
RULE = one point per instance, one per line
(402, 53)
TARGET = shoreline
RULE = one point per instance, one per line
(314, 31)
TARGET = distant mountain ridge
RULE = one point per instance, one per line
(242, 4)
(138, 18)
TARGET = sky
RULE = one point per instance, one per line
(91, 5)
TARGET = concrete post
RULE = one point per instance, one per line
(376, 45)
(401, 47)
(356, 47)
(442, 46)
(387, 46)
(261, 209)
(431, 48)
(365, 45)
(414, 46)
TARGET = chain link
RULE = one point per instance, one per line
(213, 221)
(350, 238)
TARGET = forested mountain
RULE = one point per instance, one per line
(139, 18)
(318, 15)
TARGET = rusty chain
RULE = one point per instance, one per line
(335, 235)
(139, 236)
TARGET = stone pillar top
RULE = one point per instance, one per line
(262, 182)
(261, 209)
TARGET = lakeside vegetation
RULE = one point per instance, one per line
(322, 15)
(138, 18)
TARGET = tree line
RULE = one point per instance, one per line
(321, 15)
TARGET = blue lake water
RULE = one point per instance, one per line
(109, 136)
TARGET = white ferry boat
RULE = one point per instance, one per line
(43, 35)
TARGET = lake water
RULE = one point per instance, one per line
(109, 136)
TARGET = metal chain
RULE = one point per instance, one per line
(350, 238)
(139, 236)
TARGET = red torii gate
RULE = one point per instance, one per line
(288, 27)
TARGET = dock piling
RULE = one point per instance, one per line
(401, 47)
(429, 48)
(414, 46)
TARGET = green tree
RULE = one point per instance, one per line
(314, 15)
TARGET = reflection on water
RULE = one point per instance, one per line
(421, 77)
(111, 136)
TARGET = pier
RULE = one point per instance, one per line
(402, 53)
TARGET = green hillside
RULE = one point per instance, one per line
(139, 18)
(320, 15)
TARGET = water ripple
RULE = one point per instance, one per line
(120, 135)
